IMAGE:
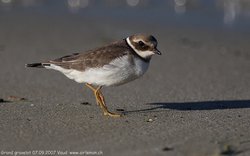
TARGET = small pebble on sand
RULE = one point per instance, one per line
(15, 98)
(167, 149)
(150, 120)
(85, 103)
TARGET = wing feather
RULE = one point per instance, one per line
(93, 58)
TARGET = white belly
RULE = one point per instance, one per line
(118, 72)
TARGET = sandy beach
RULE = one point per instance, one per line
(194, 99)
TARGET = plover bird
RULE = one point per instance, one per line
(111, 65)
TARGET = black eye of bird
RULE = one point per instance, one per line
(141, 43)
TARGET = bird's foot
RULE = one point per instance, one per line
(114, 115)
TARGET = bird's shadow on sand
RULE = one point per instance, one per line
(194, 106)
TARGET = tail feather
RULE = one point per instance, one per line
(37, 65)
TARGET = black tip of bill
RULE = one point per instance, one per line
(157, 52)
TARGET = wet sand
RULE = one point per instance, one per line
(194, 100)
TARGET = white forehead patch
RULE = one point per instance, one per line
(143, 54)
(137, 40)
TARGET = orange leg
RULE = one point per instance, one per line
(101, 101)
(94, 90)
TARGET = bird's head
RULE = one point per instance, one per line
(144, 45)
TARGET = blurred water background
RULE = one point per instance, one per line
(229, 15)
